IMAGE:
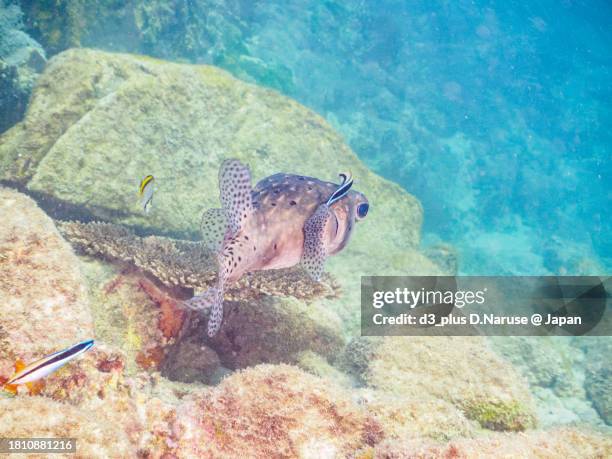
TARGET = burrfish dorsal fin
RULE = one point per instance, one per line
(313, 258)
(213, 228)
(235, 194)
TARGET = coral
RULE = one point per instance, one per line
(187, 264)
(460, 370)
(274, 411)
(44, 304)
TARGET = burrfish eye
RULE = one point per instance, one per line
(362, 210)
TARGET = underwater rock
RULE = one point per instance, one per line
(191, 361)
(424, 417)
(275, 330)
(131, 313)
(463, 371)
(563, 442)
(98, 122)
(21, 61)
(546, 361)
(45, 307)
(445, 256)
(598, 385)
(319, 366)
(274, 411)
(96, 429)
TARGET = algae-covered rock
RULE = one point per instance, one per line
(598, 384)
(274, 411)
(563, 442)
(44, 303)
(98, 122)
(461, 370)
(191, 361)
(131, 313)
(95, 430)
(275, 330)
(403, 417)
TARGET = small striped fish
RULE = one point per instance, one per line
(145, 191)
(47, 365)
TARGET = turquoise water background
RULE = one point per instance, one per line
(495, 114)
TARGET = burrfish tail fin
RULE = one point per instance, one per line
(216, 315)
(313, 258)
(213, 228)
(211, 299)
(204, 301)
(235, 194)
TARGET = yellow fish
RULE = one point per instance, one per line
(145, 191)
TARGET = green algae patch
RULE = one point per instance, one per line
(509, 416)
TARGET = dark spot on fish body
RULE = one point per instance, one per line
(292, 203)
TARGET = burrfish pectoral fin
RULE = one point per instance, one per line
(313, 258)
(235, 193)
(213, 228)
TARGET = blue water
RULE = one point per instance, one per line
(495, 114)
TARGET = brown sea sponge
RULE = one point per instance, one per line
(275, 411)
